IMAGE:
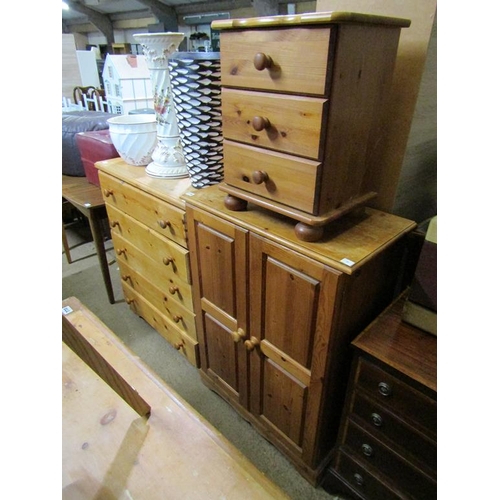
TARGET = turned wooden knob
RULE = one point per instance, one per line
(262, 61)
(114, 223)
(168, 260)
(164, 223)
(260, 123)
(259, 177)
(252, 343)
(173, 289)
(179, 345)
(129, 301)
(238, 335)
(108, 193)
(177, 318)
(126, 277)
(121, 251)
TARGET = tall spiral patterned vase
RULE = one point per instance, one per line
(195, 80)
(168, 157)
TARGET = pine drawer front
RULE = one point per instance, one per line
(367, 449)
(290, 124)
(398, 396)
(163, 301)
(159, 215)
(390, 428)
(300, 54)
(155, 246)
(362, 480)
(287, 179)
(167, 329)
(152, 270)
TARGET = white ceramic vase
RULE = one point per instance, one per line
(168, 156)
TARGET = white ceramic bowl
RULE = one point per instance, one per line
(134, 137)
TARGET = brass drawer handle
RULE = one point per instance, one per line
(367, 450)
(262, 61)
(238, 335)
(108, 193)
(260, 123)
(260, 177)
(377, 419)
(251, 344)
(384, 389)
(164, 223)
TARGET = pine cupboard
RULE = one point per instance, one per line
(275, 315)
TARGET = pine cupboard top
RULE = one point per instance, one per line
(169, 190)
(347, 243)
(308, 19)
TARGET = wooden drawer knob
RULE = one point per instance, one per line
(129, 301)
(251, 344)
(126, 277)
(262, 61)
(168, 260)
(238, 335)
(114, 223)
(173, 290)
(164, 223)
(177, 318)
(108, 193)
(260, 123)
(121, 251)
(260, 177)
(179, 345)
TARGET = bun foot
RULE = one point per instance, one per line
(308, 233)
(235, 204)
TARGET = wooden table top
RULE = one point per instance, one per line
(79, 191)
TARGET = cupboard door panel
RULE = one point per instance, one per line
(219, 269)
(284, 401)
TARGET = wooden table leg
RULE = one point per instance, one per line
(65, 245)
(97, 235)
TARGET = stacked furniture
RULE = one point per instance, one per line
(387, 445)
(147, 219)
(301, 107)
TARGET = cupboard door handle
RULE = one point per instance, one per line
(108, 193)
(252, 343)
(384, 389)
(168, 260)
(121, 251)
(238, 335)
(260, 123)
(260, 176)
(114, 223)
(173, 290)
(164, 223)
(262, 61)
(377, 419)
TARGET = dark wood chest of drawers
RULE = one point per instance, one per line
(387, 444)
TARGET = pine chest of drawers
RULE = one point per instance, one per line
(147, 219)
(301, 98)
(387, 444)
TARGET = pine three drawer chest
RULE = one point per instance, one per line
(302, 98)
